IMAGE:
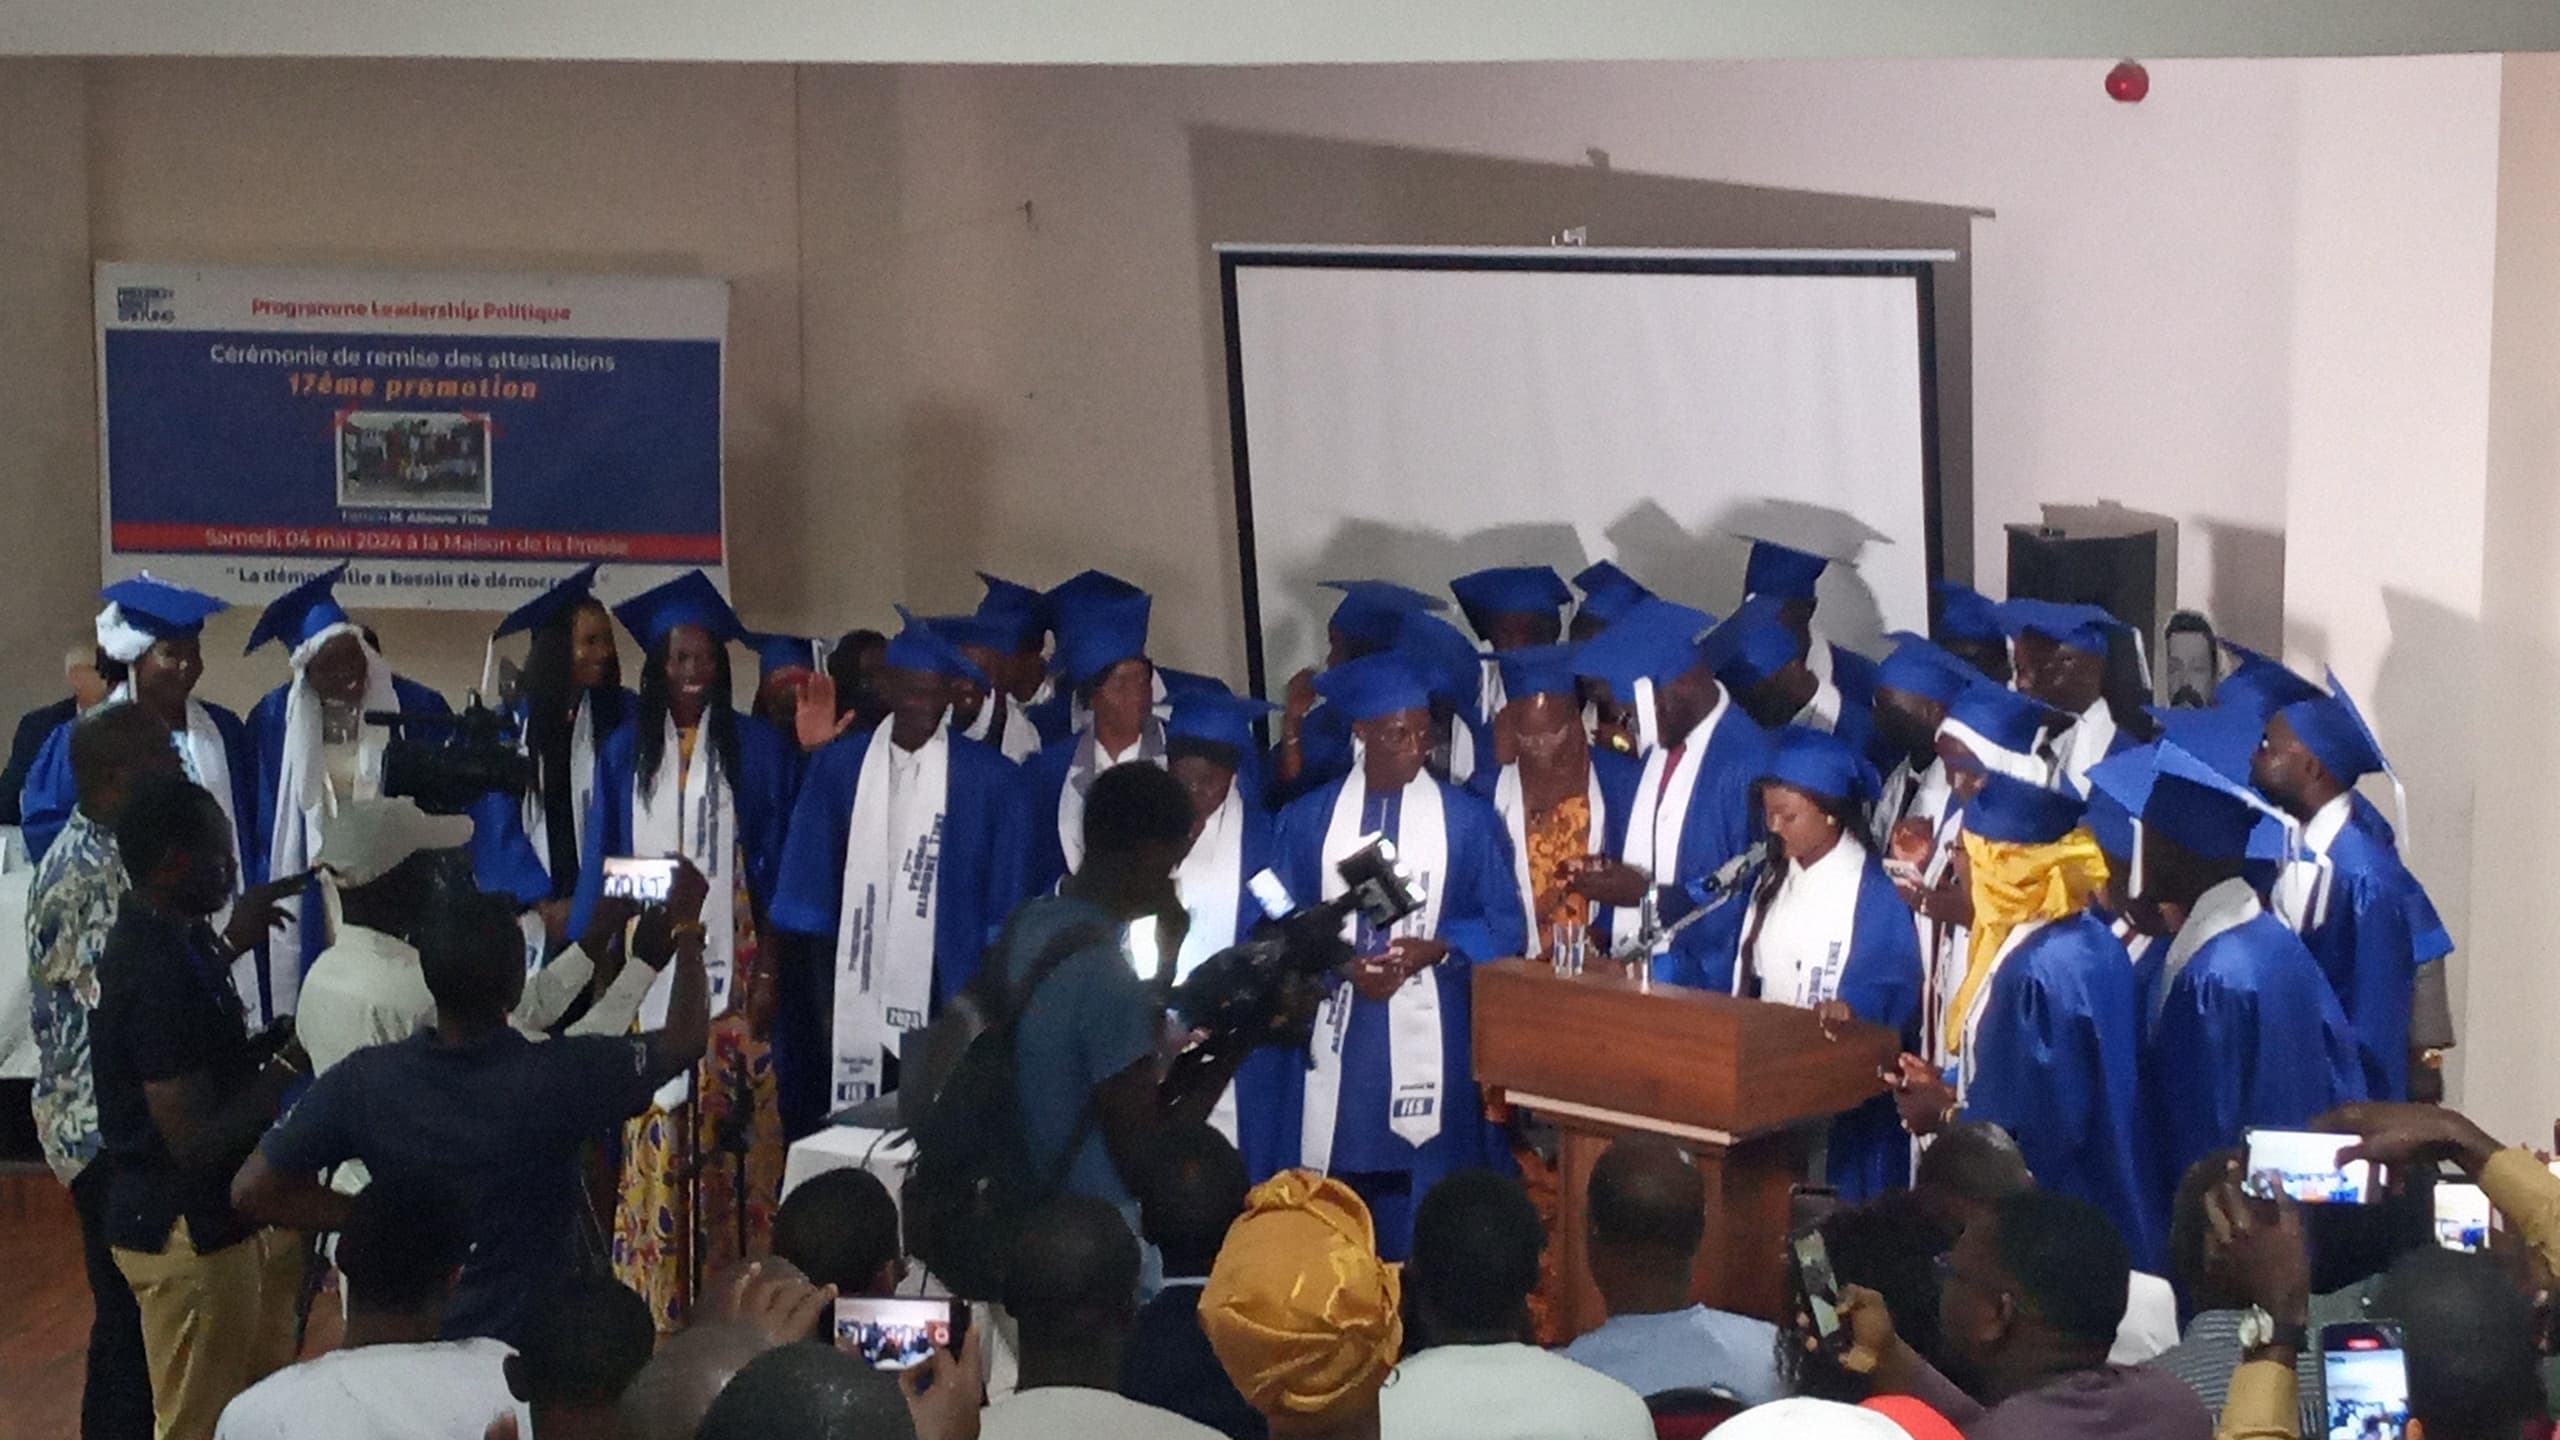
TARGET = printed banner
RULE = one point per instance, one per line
(463, 439)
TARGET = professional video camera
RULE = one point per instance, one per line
(1237, 992)
(447, 762)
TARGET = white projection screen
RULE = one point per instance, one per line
(1411, 415)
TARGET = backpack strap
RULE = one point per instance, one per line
(1062, 947)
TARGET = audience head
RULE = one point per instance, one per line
(1300, 1310)
(472, 956)
(111, 751)
(1071, 1282)
(2468, 1333)
(403, 1246)
(176, 845)
(1137, 817)
(1196, 1190)
(809, 1392)
(1969, 1168)
(1476, 1242)
(2034, 1288)
(841, 1228)
(669, 1397)
(1890, 1245)
(585, 1342)
(1895, 1417)
(1646, 1216)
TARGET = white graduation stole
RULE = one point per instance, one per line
(1414, 1099)
(1658, 819)
(582, 789)
(1210, 881)
(885, 922)
(1510, 800)
(1809, 985)
(691, 810)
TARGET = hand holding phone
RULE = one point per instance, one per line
(632, 877)
(899, 1334)
(1819, 1289)
(2304, 1165)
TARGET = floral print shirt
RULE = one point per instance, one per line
(70, 906)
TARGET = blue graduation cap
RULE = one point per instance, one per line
(1607, 591)
(551, 604)
(2259, 683)
(1538, 670)
(1965, 613)
(1752, 644)
(1021, 609)
(1181, 685)
(301, 612)
(1216, 718)
(160, 609)
(2086, 628)
(1998, 716)
(2109, 822)
(2222, 736)
(972, 629)
(1655, 639)
(783, 652)
(2333, 729)
(1375, 685)
(1820, 764)
(1527, 589)
(918, 646)
(1447, 660)
(2010, 809)
(2183, 797)
(1918, 666)
(1372, 611)
(1099, 628)
(1782, 572)
(688, 599)
(1086, 585)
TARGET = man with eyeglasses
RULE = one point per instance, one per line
(2030, 1297)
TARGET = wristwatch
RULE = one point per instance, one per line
(2258, 1330)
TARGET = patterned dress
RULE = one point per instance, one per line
(1554, 836)
(70, 905)
(670, 1236)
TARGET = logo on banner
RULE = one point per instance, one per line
(145, 305)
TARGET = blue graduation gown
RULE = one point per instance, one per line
(1480, 919)
(2367, 945)
(977, 886)
(2426, 927)
(2056, 1062)
(1043, 778)
(1054, 717)
(1722, 822)
(504, 859)
(266, 734)
(1854, 675)
(2248, 1034)
(1869, 1151)
(46, 800)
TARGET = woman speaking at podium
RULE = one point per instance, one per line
(1826, 932)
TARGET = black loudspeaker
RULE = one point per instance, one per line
(2116, 559)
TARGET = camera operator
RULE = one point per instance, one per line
(1091, 1038)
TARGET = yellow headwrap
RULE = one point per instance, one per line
(1302, 1312)
(2014, 883)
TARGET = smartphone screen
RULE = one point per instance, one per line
(1820, 1288)
(2462, 1216)
(2304, 1164)
(897, 1334)
(629, 877)
(2366, 1380)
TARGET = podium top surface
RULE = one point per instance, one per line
(1691, 1059)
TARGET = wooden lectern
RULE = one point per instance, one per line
(1744, 1083)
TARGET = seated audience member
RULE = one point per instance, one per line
(1972, 1165)
(817, 1392)
(1893, 1246)
(1070, 1286)
(2033, 1294)
(404, 1243)
(1303, 1314)
(1647, 1215)
(1195, 1192)
(1476, 1240)
(383, 860)
(840, 1228)
(764, 1304)
(2466, 1331)
(2217, 1296)
(184, 1090)
(474, 1101)
(583, 1342)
